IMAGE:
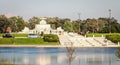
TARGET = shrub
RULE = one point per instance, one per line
(51, 38)
(113, 37)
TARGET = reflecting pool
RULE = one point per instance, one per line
(59, 56)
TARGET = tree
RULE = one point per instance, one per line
(101, 24)
(68, 26)
(53, 22)
(56, 22)
(109, 25)
(4, 24)
(84, 27)
(92, 25)
(33, 21)
(17, 23)
(20, 23)
(13, 22)
(77, 26)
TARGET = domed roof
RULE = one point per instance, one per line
(43, 22)
(26, 28)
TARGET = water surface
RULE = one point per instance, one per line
(59, 56)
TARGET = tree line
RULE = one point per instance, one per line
(100, 25)
(15, 24)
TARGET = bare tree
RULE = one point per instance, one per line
(70, 53)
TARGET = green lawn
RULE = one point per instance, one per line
(99, 34)
(11, 64)
(17, 35)
(20, 35)
(25, 41)
(8, 64)
(0, 35)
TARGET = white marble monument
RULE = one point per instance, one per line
(42, 27)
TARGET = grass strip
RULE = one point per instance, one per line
(9, 64)
(100, 34)
(25, 41)
(17, 35)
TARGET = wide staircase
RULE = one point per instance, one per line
(80, 41)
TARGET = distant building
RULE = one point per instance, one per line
(42, 27)
(60, 30)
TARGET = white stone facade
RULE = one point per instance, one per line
(42, 27)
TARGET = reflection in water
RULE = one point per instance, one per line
(94, 60)
(91, 59)
(70, 54)
(60, 56)
(25, 59)
(43, 60)
(118, 52)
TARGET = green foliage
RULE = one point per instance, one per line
(53, 21)
(51, 38)
(100, 34)
(97, 34)
(105, 30)
(56, 22)
(92, 25)
(17, 23)
(100, 25)
(68, 26)
(113, 37)
(13, 25)
(33, 21)
(20, 23)
(4, 23)
(76, 26)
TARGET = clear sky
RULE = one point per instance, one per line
(61, 8)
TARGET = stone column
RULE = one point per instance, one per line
(118, 43)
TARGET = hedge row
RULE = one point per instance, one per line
(51, 38)
(113, 37)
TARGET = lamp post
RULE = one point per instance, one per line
(109, 20)
(79, 20)
(79, 16)
(109, 13)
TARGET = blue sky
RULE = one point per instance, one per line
(61, 8)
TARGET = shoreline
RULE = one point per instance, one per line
(54, 46)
